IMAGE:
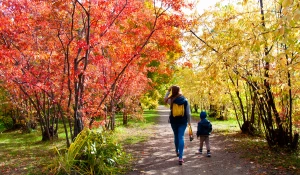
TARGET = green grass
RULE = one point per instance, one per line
(220, 126)
(134, 132)
(26, 154)
(148, 119)
(2, 128)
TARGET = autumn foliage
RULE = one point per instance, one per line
(246, 57)
(75, 60)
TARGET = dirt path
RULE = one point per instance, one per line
(157, 156)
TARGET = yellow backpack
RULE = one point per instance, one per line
(177, 110)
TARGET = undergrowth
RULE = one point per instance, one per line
(256, 149)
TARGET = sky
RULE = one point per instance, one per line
(202, 5)
(205, 4)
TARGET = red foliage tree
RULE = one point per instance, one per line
(76, 56)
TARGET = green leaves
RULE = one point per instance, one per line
(92, 152)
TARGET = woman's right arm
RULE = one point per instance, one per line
(166, 99)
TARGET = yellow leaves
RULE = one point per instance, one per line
(281, 61)
(245, 2)
(296, 16)
(242, 42)
(261, 91)
(281, 31)
(286, 3)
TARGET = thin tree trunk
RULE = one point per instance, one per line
(65, 125)
(290, 104)
(235, 108)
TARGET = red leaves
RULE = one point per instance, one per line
(48, 46)
(188, 64)
(82, 45)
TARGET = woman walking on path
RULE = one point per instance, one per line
(178, 104)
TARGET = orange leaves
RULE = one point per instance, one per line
(188, 64)
(99, 46)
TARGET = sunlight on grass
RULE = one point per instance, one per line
(135, 131)
(18, 137)
(222, 126)
(225, 126)
(25, 153)
(149, 118)
(127, 135)
(257, 150)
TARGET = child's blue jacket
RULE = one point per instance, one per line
(204, 127)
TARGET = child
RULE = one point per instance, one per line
(203, 131)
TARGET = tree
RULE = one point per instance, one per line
(70, 58)
(256, 49)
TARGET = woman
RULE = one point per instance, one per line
(178, 123)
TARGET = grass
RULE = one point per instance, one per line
(220, 126)
(256, 149)
(2, 128)
(26, 154)
(135, 131)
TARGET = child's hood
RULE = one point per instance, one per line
(203, 115)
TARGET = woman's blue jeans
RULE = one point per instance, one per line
(179, 130)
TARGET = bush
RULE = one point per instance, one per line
(91, 153)
(7, 122)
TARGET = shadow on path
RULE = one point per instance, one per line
(157, 155)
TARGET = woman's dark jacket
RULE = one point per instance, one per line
(181, 120)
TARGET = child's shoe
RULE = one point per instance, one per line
(199, 151)
(208, 154)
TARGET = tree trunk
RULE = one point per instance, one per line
(112, 117)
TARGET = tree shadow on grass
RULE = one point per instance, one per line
(25, 153)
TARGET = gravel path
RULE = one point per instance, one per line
(157, 156)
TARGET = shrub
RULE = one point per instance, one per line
(7, 122)
(91, 153)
